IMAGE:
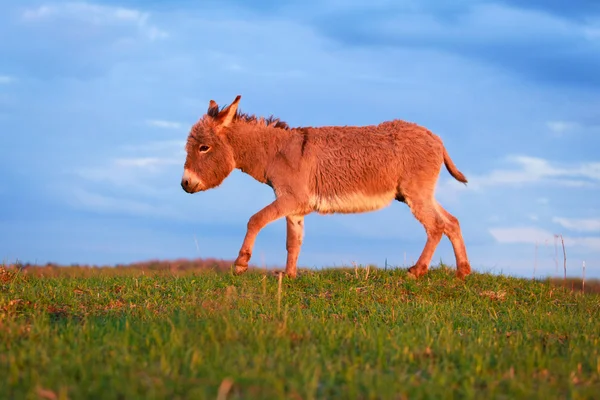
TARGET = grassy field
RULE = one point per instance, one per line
(343, 333)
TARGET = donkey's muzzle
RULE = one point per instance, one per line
(185, 184)
(189, 186)
(190, 183)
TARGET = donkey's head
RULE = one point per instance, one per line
(209, 158)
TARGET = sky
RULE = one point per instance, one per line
(97, 99)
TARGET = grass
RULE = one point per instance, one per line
(80, 333)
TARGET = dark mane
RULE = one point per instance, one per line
(240, 116)
(269, 121)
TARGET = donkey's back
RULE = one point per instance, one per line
(358, 169)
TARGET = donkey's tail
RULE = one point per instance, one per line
(452, 168)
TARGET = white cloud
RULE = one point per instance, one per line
(136, 173)
(157, 146)
(589, 242)
(533, 235)
(101, 203)
(234, 67)
(161, 123)
(145, 162)
(526, 171)
(533, 170)
(592, 33)
(38, 13)
(95, 14)
(559, 128)
(143, 169)
(580, 225)
(520, 235)
(5, 79)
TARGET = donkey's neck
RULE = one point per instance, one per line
(254, 146)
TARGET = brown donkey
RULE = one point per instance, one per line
(330, 169)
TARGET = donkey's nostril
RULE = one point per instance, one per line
(190, 183)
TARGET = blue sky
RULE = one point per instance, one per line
(96, 100)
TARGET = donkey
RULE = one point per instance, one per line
(329, 169)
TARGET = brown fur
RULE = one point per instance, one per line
(330, 169)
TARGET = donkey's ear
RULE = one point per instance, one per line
(213, 109)
(226, 116)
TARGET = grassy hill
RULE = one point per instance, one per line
(154, 331)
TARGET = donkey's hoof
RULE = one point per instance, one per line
(276, 273)
(417, 271)
(463, 270)
(240, 269)
(284, 274)
(291, 274)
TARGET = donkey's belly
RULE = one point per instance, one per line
(351, 203)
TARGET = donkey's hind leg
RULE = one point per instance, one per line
(424, 208)
(452, 230)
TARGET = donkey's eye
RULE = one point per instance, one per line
(204, 148)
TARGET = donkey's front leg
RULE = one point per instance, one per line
(295, 232)
(277, 209)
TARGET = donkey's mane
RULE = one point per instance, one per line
(269, 121)
(251, 118)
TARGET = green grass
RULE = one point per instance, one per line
(331, 334)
